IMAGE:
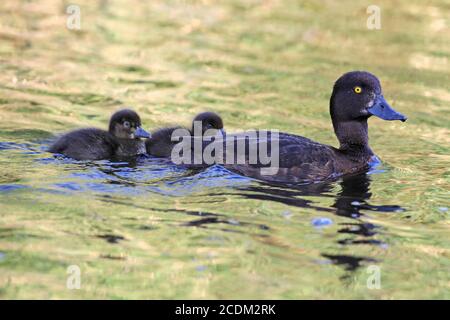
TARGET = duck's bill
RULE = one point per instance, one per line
(383, 110)
(141, 133)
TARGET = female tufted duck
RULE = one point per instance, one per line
(123, 139)
(356, 96)
(161, 143)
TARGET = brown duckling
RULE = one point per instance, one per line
(123, 139)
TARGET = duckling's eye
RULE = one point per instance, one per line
(357, 89)
(126, 124)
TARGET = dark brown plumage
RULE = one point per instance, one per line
(123, 139)
(356, 96)
(161, 144)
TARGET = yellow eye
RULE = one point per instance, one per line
(357, 89)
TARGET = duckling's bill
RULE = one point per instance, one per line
(141, 133)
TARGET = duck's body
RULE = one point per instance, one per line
(295, 159)
(86, 144)
(302, 160)
(163, 140)
(122, 139)
(161, 144)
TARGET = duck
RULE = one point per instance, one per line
(163, 140)
(356, 96)
(123, 139)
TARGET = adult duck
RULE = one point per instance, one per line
(355, 98)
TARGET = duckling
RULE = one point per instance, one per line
(161, 144)
(123, 139)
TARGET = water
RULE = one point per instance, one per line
(149, 229)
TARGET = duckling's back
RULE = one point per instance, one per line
(85, 144)
(161, 144)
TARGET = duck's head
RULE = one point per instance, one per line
(126, 124)
(208, 121)
(357, 95)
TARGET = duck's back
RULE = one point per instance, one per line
(161, 144)
(298, 159)
(86, 144)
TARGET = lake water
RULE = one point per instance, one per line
(149, 229)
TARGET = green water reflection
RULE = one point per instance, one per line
(153, 230)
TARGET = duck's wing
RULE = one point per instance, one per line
(292, 158)
(86, 144)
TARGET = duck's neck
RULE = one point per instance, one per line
(353, 136)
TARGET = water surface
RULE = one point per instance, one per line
(149, 229)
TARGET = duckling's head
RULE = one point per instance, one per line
(357, 95)
(126, 124)
(209, 121)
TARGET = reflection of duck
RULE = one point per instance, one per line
(161, 144)
(353, 196)
(122, 139)
(349, 201)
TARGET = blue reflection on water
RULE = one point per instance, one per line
(11, 187)
(146, 174)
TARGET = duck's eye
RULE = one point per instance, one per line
(357, 89)
(126, 124)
